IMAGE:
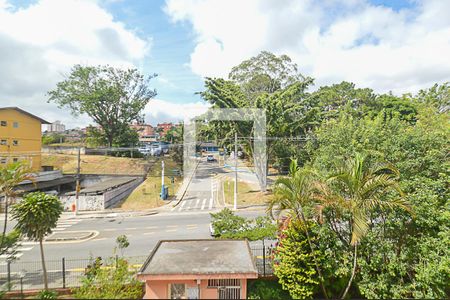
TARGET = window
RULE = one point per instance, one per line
(3, 160)
(15, 143)
(177, 291)
(15, 124)
(3, 123)
(3, 142)
(15, 159)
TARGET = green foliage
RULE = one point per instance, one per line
(122, 243)
(294, 262)
(11, 241)
(37, 214)
(266, 289)
(110, 280)
(112, 97)
(52, 138)
(47, 295)
(227, 225)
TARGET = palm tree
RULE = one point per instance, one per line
(36, 216)
(11, 176)
(293, 194)
(357, 188)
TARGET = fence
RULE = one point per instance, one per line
(66, 273)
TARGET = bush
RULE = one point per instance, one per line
(266, 289)
(227, 225)
(47, 295)
(110, 280)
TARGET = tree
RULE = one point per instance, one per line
(294, 194)
(294, 262)
(265, 73)
(122, 243)
(112, 97)
(357, 188)
(10, 177)
(36, 216)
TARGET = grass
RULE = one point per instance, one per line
(146, 195)
(247, 195)
(95, 164)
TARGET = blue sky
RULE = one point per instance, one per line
(398, 46)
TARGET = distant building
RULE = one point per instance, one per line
(143, 130)
(198, 269)
(56, 126)
(163, 128)
(20, 137)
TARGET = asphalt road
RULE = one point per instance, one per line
(189, 220)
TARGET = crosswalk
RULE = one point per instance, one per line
(196, 204)
(27, 245)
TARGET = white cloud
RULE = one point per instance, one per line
(39, 43)
(331, 40)
(158, 111)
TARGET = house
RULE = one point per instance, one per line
(163, 128)
(198, 269)
(143, 130)
(20, 137)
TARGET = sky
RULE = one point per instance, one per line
(397, 46)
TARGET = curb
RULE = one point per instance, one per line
(63, 239)
(105, 215)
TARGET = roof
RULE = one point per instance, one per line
(103, 186)
(200, 257)
(26, 113)
(208, 144)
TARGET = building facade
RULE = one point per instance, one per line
(20, 137)
(56, 126)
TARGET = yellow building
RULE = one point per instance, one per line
(20, 137)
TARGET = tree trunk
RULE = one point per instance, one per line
(5, 223)
(319, 272)
(44, 269)
(353, 273)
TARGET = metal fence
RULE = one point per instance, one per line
(66, 273)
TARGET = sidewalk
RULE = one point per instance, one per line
(110, 213)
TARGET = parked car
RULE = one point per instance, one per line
(210, 158)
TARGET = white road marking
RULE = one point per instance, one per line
(189, 205)
(148, 233)
(171, 230)
(197, 202)
(171, 226)
(59, 229)
(210, 203)
(24, 249)
(182, 204)
(131, 228)
(109, 229)
(203, 204)
(16, 256)
(63, 226)
(151, 227)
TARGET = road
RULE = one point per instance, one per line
(189, 220)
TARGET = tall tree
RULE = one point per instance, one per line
(357, 188)
(10, 177)
(36, 216)
(294, 194)
(112, 97)
(266, 73)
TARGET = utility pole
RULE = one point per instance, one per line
(77, 189)
(235, 171)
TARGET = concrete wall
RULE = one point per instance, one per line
(102, 201)
(63, 150)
